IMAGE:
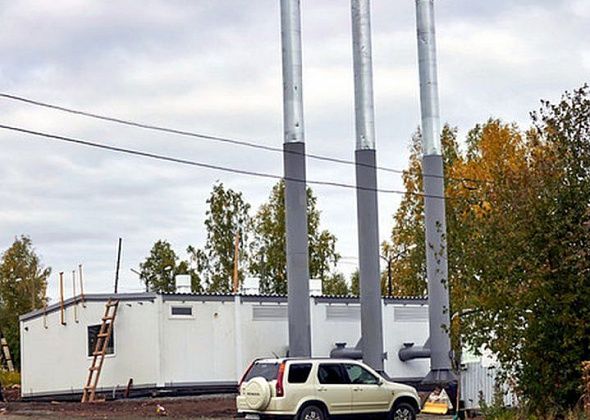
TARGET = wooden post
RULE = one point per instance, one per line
(75, 298)
(236, 254)
(61, 299)
(81, 286)
(33, 293)
(45, 306)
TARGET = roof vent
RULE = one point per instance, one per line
(251, 286)
(315, 287)
(183, 283)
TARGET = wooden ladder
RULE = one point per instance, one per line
(6, 359)
(102, 342)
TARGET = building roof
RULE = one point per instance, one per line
(206, 297)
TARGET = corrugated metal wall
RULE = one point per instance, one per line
(479, 383)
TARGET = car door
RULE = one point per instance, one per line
(368, 393)
(333, 387)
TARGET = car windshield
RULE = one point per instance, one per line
(268, 371)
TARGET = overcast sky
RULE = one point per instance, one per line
(214, 66)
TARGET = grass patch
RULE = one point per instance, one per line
(7, 379)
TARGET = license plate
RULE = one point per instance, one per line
(252, 417)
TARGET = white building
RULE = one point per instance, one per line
(191, 342)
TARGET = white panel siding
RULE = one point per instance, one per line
(201, 348)
(54, 359)
(156, 349)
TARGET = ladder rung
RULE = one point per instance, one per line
(111, 304)
(101, 335)
(108, 318)
(98, 353)
(93, 368)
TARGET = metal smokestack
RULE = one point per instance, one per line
(434, 202)
(366, 179)
(295, 194)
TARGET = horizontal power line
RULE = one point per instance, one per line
(214, 138)
(202, 164)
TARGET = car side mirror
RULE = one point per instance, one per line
(380, 383)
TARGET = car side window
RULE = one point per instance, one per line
(332, 374)
(298, 373)
(359, 375)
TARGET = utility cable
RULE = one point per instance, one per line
(201, 164)
(213, 138)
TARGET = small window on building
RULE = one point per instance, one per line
(182, 311)
(93, 331)
(299, 372)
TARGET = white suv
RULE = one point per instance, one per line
(316, 389)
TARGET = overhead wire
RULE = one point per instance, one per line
(227, 140)
(156, 156)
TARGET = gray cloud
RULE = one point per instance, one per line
(214, 66)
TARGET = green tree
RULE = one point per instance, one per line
(355, 283)
(335, 285)
(268, 260)
(518, 238)
(23, 283)
(161, 267)
(227, 216)
(408, 237)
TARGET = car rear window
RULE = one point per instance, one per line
(268, 371)
(299, 372)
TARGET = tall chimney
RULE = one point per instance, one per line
(295, 193)
(434, 202)
(366, 193)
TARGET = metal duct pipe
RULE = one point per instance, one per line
(295, 194)
(434, 202)
(366, 179)
(343, 352)
(410, 352)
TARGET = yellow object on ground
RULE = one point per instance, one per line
(435, 408)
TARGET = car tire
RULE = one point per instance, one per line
(402, 411)
(312, 412)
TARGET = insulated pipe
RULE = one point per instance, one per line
(363, 74)
(410, 352)
(343, 352)
(295, 187)
(366, 193)
(434, 202)
(427, 67)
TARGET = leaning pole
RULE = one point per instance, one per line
(434, 201)
(295, 188)
(366, 179)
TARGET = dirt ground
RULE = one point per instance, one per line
(218, 407)
(211, 407)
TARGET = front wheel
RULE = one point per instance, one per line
(312, 412)
(403, 411)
